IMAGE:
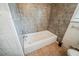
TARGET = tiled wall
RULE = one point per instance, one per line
(60, 17)
(34, 17)
(17, 20)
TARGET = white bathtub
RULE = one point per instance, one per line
(34, 41)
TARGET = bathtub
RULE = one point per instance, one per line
(35, 41)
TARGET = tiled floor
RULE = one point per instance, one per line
(50, 50)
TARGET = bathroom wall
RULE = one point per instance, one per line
(17, 21)
(34, 17)
(60, 17)
(9, 42)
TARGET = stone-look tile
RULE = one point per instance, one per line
(34, 17)
(60, 18)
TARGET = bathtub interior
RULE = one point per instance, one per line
(37, 36)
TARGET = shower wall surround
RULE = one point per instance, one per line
(60, 17)
(17, 21)
(34, 17)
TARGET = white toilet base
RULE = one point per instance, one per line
(72, 52)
